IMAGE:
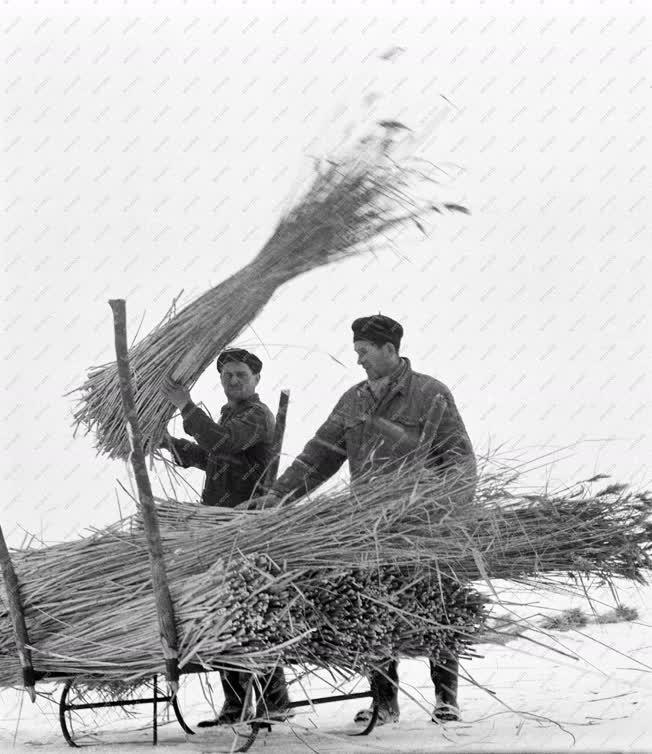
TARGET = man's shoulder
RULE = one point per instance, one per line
(353, 392)
(426, 382)
(348, 400)
(258, 405)
(254, 407)
(255, 401)
(418, 380)
(258, 414)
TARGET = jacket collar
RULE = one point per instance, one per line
(399, 380)
(402, 377)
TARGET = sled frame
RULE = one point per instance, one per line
(165, 698)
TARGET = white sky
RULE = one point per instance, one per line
(149, 149)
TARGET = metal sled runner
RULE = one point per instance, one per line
(67, 708)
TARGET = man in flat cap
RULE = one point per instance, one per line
(235, 453)
(373, 426)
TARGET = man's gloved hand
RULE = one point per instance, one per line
(261, 502)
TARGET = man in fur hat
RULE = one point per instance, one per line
(235, 453)
(373, 426)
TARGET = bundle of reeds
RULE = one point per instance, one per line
(418, 516)
(363, 615)
(297, 572)
(111, 634)
(345, 210)
(247, 613)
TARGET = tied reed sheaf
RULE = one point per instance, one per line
(340, 580)
(347, 208)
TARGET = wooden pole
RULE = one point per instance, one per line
(279, 433)
(164, 608)
(17, 618)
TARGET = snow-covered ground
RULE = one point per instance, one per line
(541, 701)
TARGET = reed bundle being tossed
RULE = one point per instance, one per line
(343, 579)
(347, 207)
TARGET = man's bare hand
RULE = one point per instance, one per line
(175, 393)
(262, 502)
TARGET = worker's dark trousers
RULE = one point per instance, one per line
(272, 685)
(444, 673)
(384, 685)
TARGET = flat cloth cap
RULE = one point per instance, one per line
(239, 354)
(377, 329)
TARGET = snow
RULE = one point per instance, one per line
(600, 699)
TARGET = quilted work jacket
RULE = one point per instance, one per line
(348, 435)
(234, 452)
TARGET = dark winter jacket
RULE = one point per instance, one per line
(348, 435)
(234, 453)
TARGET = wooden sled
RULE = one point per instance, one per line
(71, 702)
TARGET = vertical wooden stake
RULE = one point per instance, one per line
(17, 618)
(164, 608)
(277, 443)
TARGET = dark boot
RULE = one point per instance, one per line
(384, 687)
(273, 702)
(235, 694)
(444, 678)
